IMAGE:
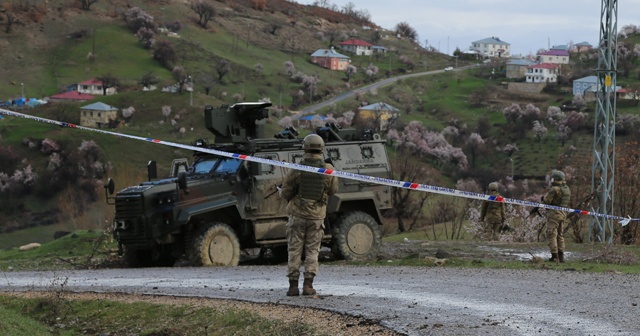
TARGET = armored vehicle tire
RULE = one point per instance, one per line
(358, 237)
(147, 258)
(215, 245)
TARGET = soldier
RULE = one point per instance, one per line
(559, 195)
(493, 212)
(307, 194)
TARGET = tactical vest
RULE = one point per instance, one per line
(311, 184)
(564, 196)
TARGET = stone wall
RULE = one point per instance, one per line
(526, 87)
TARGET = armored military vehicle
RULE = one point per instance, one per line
(215, 207)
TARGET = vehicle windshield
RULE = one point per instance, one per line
(216, 165)
(204, 166)
(228, 166)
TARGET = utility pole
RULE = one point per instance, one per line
(602, 175)
(426, 51)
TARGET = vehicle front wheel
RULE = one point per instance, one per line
(215, 245)
(357, 237)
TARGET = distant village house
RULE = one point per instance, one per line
(357, 47)
(492, 47)
(98, 115)
(517, 68)
(330, 59)
(542, 73)
(383, 112)
(94, 87)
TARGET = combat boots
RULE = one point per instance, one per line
(554, 257)
(561, 256)
(293, 288)
(307, 287)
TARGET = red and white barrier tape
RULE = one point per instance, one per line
(377, 180)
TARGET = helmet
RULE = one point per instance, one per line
(493, 186)
(557, 175)
(313, 143)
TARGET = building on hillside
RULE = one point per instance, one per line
(94, 87)
(517, 67)
(542, 73)
(71, 96)
(330, 59)
(357, 47)
(582, 47)
(560, 47)
(588, 87)
(492, 47)
(379, 49)
(627, 94)
(556, 56)
(382, 112)
(98, 115)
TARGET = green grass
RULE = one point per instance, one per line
(82, 249)
(56, 315)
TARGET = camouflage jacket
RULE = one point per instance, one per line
(559, 195)
(492, 212)
(300, 207)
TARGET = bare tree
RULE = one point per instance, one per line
(11, 19)
(86, 4)
(207, 81)
(205, 12)
(222, 68)
(149, 79)
(350, 71)
(180, 75)
(403, 29)
(108, 81)
(165, 54)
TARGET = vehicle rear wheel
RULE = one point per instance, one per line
(215, 245)
(358, 237)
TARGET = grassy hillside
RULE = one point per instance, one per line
(45, 55)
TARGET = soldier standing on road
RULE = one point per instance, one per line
(493, 212)
(558, 195)
(307, 194)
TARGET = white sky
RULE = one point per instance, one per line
(527, 25)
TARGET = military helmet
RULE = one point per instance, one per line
(557, 175)
(493, 186)
(313, 143)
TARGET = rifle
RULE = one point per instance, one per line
(278, 187)
(572, 218)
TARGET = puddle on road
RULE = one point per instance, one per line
(519, 255)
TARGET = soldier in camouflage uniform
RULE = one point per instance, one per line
(559, 195)
(307, 194)
(493, 212)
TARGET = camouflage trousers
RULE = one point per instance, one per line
(303, 238)
(493, 230)
(555, 234)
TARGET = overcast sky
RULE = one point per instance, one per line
(527, 25)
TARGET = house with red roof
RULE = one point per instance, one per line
(358, 47)
(94, 87)
(330, 59)
(71, 96)
(542, 73)
(555, 56)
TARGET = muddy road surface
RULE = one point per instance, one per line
(408, 300)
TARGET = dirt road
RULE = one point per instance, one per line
(408, 300)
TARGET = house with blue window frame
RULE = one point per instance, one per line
(588, 87)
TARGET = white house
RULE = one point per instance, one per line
(542, 73)
(492, 47)
(94, 87)
(358, 47)
(555, 56)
